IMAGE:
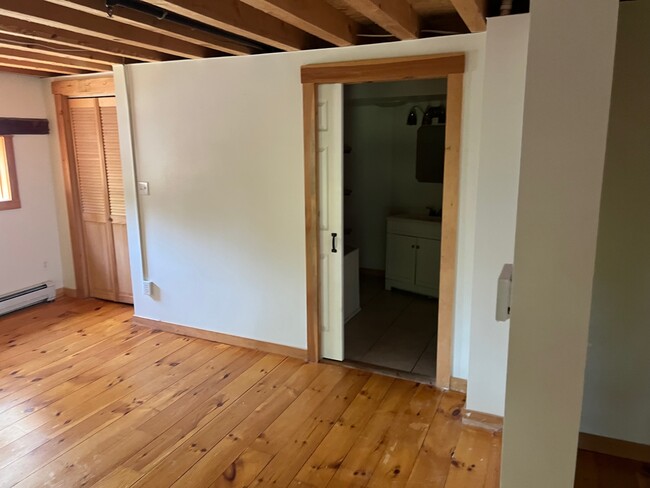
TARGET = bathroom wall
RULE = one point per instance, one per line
(380, 170)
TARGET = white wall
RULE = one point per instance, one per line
(617, 382)
(220, 141)
(29, 239)
(566, 109)
(503, 108)
(380, 170)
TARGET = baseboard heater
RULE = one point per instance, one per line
(15, 300)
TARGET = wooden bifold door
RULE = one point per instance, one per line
(93, 126)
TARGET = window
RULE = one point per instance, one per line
(9, 198)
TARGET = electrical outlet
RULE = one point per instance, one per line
(147, 288)
(143, 187)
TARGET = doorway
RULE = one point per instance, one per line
(325, 150)
(393, 169)
(88, 135)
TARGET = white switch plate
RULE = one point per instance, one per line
(143, 187)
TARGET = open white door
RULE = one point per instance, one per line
(330, 164)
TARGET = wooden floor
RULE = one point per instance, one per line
(594, 470)
(88, 399)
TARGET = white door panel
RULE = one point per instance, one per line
(330, 152)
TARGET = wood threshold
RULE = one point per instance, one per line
(614, 447)
(222, 338)
(450, 66)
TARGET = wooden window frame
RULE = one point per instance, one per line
(10, 158)
(450, 66)
(63, 90)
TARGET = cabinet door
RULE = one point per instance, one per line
(427, 269)
(400, 257)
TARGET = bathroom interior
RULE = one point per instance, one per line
(393, 165)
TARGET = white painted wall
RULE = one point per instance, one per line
(220, 141)
(498, 180)
(617, 381)
(29, 239)
(380, 170)
(566, 110)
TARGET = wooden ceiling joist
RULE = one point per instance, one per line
(38, 66)
(314, 16)
(11, 53)
(165, 27)
(239, 19)
(394, 16)
(44, 47)
(65, 37)
(28, 72)
(473, 13)
(91, 25)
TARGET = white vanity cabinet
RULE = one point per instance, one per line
(413, 254)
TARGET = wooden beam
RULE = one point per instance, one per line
(11, 53)
(472, 12)
(26, 72)
(45, 47)
(150, 23)
(394, 16)
(79, 22)
(240, 19)
(76, 40)
(13, 126)
(314, 16)
(387, 69)
(36, 65)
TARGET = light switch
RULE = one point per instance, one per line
(143, 188)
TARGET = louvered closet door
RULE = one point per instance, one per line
(101, 195)
(116, 205)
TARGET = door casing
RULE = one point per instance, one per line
(450, 66)
(64, 90)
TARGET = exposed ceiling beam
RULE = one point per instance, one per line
(75, 40)
(79, 22)
(150, 23)
(240, 19)
(11, 53)
(28, 72)
(37, 65)
(314, 16)
(42, 46)
(472, 12)
(394, 16)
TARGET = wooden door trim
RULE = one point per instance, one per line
(64, 90)
(96, 86)
(450, 66)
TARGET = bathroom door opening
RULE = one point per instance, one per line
(411, 230)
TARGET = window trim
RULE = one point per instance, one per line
(14, 203)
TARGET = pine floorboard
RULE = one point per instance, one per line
(87, 398)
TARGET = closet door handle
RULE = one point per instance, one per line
(334, 242)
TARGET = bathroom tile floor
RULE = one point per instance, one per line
(394, 329)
